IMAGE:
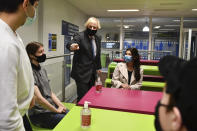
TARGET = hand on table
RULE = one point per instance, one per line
(125, 86)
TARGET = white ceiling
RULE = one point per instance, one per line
(137, 23)
(161, 8)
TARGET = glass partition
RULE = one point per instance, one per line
(165, 37)
(110, 36)
(136, 35)
(57, 67)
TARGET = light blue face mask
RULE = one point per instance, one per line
(29, 20)
(127, 58)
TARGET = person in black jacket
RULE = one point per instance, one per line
(86, 61)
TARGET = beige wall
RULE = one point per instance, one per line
(50, 14)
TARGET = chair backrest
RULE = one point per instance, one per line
(151, 73)
(148, 70)
(111, 68)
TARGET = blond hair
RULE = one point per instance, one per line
(92, 19)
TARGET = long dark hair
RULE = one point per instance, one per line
(32, 48)
(136, 62)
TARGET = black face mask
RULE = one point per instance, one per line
(91, 32)
(41, 58)
(157, 123)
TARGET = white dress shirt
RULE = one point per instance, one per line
(94, 46)
(16, 80)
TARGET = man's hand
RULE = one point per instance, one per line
(98, 72)
(74, 47)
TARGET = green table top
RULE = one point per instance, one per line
(107, 120)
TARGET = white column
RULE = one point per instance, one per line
(121, 37)
(189, 44)
(181, 39)
(150, 37)
(184, 43)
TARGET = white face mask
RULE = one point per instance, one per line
(29, 20)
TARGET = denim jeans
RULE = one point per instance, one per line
(47, 120)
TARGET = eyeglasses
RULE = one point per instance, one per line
(165, 105)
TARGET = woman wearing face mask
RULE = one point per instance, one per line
(128, 75)
(48, 111)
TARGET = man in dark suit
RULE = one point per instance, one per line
(86, 62)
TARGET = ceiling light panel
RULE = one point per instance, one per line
(124, 10)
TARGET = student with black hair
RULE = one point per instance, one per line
(128, 75)
(177, 110)
(48, 110)
(16, 79)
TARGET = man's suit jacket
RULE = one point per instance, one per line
(120, 76)
(84, 64)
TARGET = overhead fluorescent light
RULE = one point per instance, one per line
(161, 31)
(185, 20)
(128, 29)
(171, 25)
(126, 26)
(117, 20)
(145, 29)
(128, 21)
(125, 10)
(167, 29)
(125, 21)
(171, 3)
(157, 27)
(194, 9)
